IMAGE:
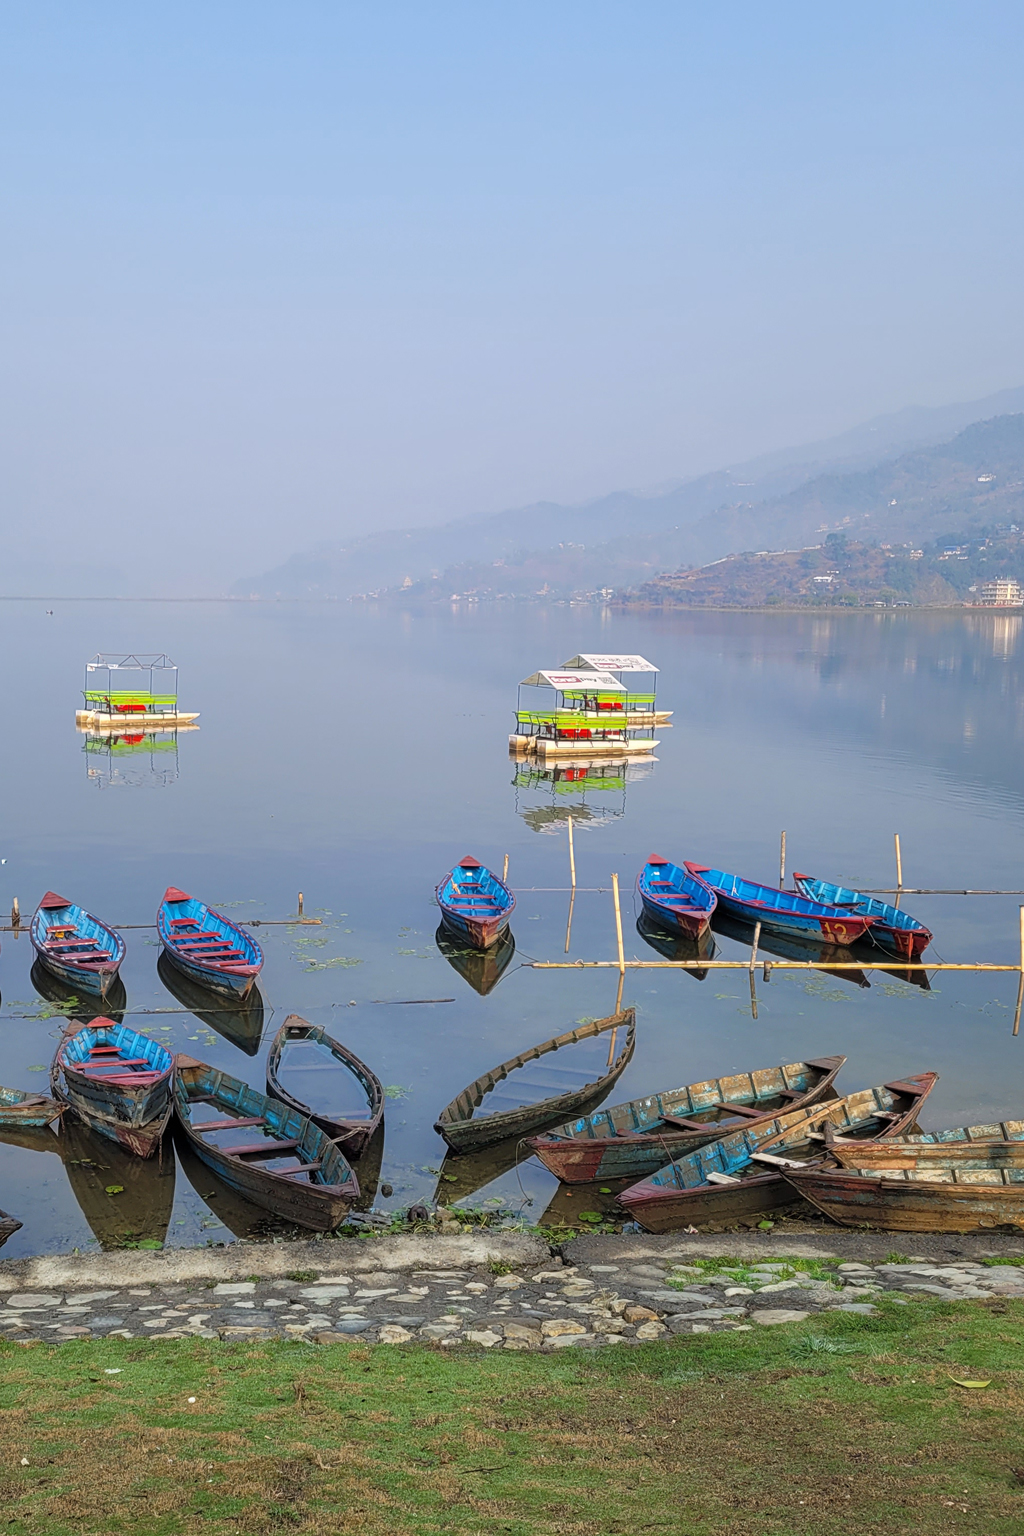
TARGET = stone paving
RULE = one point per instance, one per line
(512, 1301)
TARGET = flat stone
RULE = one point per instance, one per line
(635, 1314)
(523, 1333)
(390, 1334)
(738, 1290)
(400, 1320)
(567, 1340)
(855, 1269)
(651, 1331)
(863, 1307)
(934, 1290)
(30, 1300)
(648, 1271)
(520, 1343)
(610, 1325)
(510, 1282)
(781, 1285)
(352, 1324)
(554, 1327)
(604, 1269)
(388, 1290)
(438, 1330)
(483, 1336)
(324, 1292)
(245, 1333)
(108, 1322)
(73, 1332)
(771, 1316)
(230, 1288)
(90, 1296)
(554, 1274)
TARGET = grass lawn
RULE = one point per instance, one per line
(840, 1424)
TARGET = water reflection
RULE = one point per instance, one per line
(83, 1006)
(547, 796)
(797, 948)
(240, 1023)
(132, 759)
(482, 968)
(677, 946)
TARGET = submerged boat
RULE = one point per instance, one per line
(8, 1226)
(970, 1179)
(282, 1162)
(676, 898)
(782, 911)
(117, 1081)
(75, 946)
(207, 947)
(638, 1137)
(17, 1108)
(475, 905)
(677, 945)
(322, 1079)
(75, 1003)
(239, 1020)
(482, 968)
(890, 928)
(530, 1091)
(741, 1175)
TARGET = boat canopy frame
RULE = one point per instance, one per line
(125, 684)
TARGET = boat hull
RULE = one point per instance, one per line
(224, 986)
(674, 898)
(914, 1205)
(471, 885)
(352, 1136)
(135, 1117)
(693, 924)
(27, 1109)
(239, 1020)
(98, 983)
(478, 934)
(190, 930)
(58, 959)
(891, 929)
(781, 912)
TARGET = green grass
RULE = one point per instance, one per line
(742, 1272)
(843, 1423)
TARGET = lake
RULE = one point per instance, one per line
(355, 752)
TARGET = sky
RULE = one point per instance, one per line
(276, 274)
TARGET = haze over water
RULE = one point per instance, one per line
(356, 752)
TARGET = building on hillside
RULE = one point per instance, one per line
(1003, 593)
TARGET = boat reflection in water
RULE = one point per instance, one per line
(239, 1023)
(793, 948)
(82, 1006)
(677, 946)
(482, 968)
(547, 796)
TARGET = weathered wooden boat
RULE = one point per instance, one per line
(781, 911)
(677, 945)
(636, 1138)
(313, 1073)
(206, 946)
(239, 1020)
(475, 905)
(8, 1226)
(18, 1108)
(890, 928)
(741, 1175)
(125, 1199)
(482, 968)
(790, 947)
(959, 1183)
(282, 1161)
(76, 947)
(117, 1081)
(75, 1004)
(676, 898)
(530, 1091)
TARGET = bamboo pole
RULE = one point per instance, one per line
(300, 903)
(777, 965)
(618, 924)
(899, 862)
(782, 862)
(572, 858)
(504, 871)
(15, 914)
(1020, 985)
(753, 962)
(568, 923)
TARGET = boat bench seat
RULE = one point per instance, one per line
(295, 1173)
(116, 1061)
(250, 1149)
(229, 1125)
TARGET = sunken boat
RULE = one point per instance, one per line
(18, 1108)
(313, 1073)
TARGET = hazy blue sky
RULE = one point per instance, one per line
(277, 272)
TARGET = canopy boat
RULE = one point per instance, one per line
(239, 1020)
(742, 1174)
(75, 946)
(482, 968)
(890, 928)
(783, 911)
(810, 951)
(76, 1004)
(141, 1209)
(117, 1081)
(475, 904)
(540, 1092)
(8, 1226)
(675, 898)
(207, 947)
(584, 712)
(632, 1139)
(970, 1179)
(283, 1162)
(17, 1108)
(313, 1073)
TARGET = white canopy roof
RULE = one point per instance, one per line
(585, 679)
(613, 663)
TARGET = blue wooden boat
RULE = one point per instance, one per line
(75, 946)
(117, 1081)
(475, 904)
(891, 928)
(782, 911)
(27, 1109)
(676, 898)
(209, 948)
(281, 1161)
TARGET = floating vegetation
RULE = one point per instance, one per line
(327, 965)
(396, 1091)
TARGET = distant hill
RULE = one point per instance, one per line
(618, 540)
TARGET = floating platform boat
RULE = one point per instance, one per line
(209, 948)
(677, 945)
(781, 911)
(8, 1226)
(675, 898)
(74, 946)
(283, 1162)
(27, 1109)
(117, 1081)
(741, 1175)
(481, 968)
(238, 1020)
(530, 1091)
(639, 1137)
(320, 1078)
(582, 712)
(99, 722)
(475, 905)
(890, 928)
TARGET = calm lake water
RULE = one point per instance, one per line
(354, 753)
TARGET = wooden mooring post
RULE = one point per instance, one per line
(753, 962)
(782, 863)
